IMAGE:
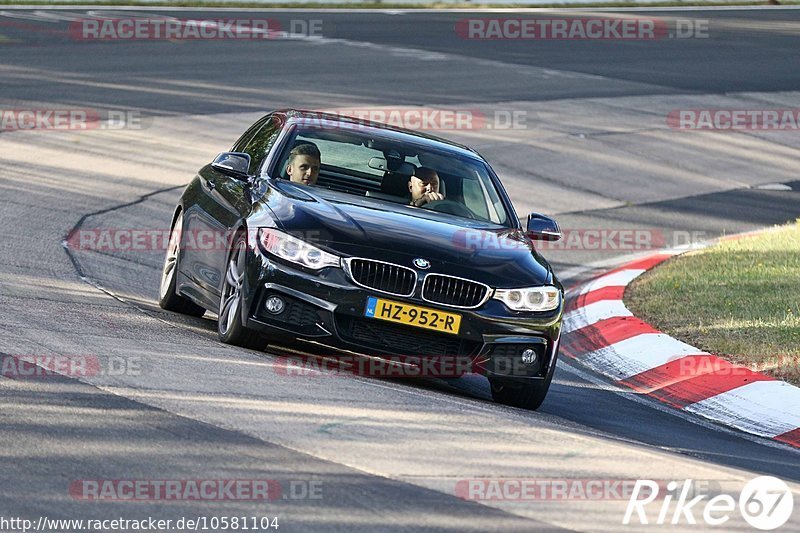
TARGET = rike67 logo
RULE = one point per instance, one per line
(766, 503)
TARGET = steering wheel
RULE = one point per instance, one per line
(450, 207)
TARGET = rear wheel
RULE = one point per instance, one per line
(523, 393)
(168, 298)
(229, 324)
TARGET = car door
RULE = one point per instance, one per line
(222, 203)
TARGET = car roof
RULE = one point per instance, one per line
(303, 116)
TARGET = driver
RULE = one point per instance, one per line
(303, 164)
(424, 187)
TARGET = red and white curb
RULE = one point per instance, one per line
(600, 332)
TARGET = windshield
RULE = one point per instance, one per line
(363, 163)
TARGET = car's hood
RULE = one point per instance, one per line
(353, 226)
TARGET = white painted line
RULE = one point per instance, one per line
(637, 354)
(593, 313)
(766, 408)
(617, 279)
(774, 187)
(649, 401)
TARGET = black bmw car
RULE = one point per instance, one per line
(349, 261)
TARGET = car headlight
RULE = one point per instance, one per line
(544, 298)
(295, 250)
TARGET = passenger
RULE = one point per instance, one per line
(424, 187)
(303, 164)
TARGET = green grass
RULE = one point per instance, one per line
(739, 299)
(372, 4)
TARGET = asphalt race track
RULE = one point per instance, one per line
(591, 145)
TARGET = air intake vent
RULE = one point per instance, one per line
(383, 338)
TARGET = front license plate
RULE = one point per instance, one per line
(413, 315)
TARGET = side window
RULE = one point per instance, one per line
(240, 144)
(258, 140)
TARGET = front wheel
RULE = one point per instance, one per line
(168, 298)
(229, 324)
(524, 393)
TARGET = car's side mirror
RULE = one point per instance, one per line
(543, 228)
(234, 164)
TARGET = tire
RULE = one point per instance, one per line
(229, 323)
(524, 393)
(168, 298)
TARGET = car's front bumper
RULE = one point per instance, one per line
(328, 308)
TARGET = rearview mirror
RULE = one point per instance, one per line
(234, 164)
(378, 163)
(543, 228)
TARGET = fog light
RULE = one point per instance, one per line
(529, 356)
(275, 305)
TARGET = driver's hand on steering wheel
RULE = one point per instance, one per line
(427, 197)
